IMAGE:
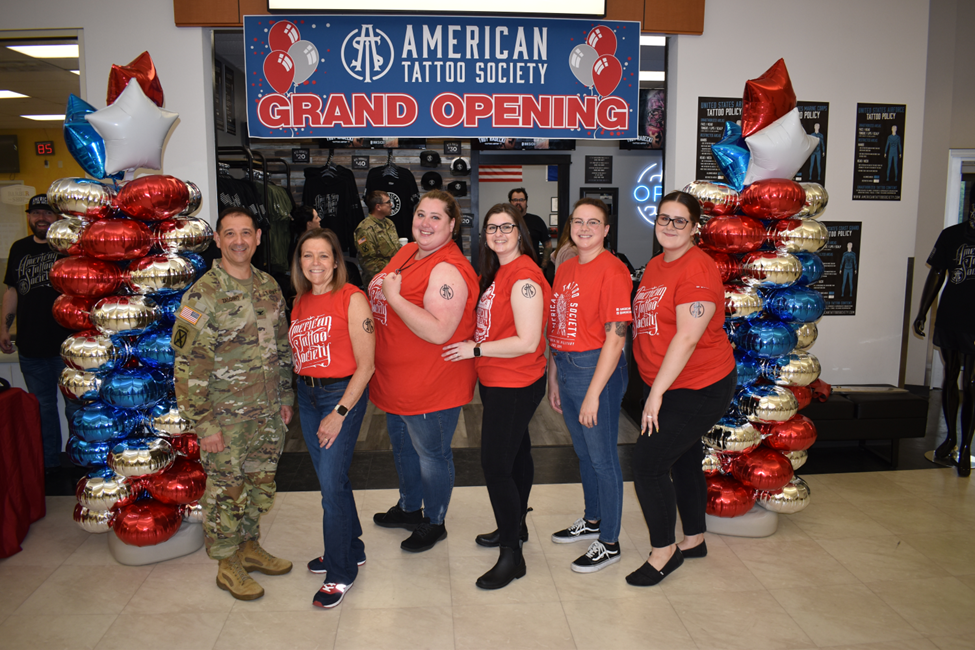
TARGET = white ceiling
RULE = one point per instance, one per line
(46, 82)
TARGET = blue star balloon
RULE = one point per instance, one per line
(732, 155)
(84, 143)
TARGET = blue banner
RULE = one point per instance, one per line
(441, 76)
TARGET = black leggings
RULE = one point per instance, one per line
(667, 465)
(506, 453)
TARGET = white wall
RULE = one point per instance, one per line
(534, 178)
(843, 52)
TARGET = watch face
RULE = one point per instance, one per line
(341, 410)
(477, 352)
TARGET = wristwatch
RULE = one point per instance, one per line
(477, 349)
(341, 410)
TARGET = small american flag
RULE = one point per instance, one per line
(499, 173)
(190, 315)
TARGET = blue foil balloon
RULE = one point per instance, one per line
(99, 422)
(732, 155)
(168, 305)
(812, 268)
(154, 350)
(199, 264)
(748, 368)
(132, 388)
(796, 304)
(88, 454)
(765, 338)
(84, 143)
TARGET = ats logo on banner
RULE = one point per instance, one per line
(373, 54)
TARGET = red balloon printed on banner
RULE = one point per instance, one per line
(282, 35)
(116, 239)
(795, 434)
(279, 70)
(85, 277)
(727, 497)
(154, 198)
(602, 39)
(606, 74)
(147, 522)
(144, 71)
(72, 312)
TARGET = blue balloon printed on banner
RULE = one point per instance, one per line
(88, 454)
(732, 155)
(812, 268)
(199, 264)
(796, 304)
(99, 422)
(132, 388)
(83, 142)
(766, 338)
(748, 368)
(153, 348)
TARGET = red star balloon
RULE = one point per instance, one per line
(141, 69)
(766, 99)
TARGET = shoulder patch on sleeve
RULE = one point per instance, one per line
(183, 337)
(191, 316)
(361, 241)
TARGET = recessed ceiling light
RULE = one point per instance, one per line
(658, 41)
(44, 118)
(47, 51)
(77, 72)
(652, 75)
(9, 94)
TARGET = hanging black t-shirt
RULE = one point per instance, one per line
(954, 253)
(38, 334)
(399, 183)
(332, 192)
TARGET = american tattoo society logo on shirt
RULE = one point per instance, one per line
(645, 309)
(312, 337)
(484, 315)
(377, 299)
(565, 306)
(367, 53)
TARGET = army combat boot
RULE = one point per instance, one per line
(254, 558)
(232, 577)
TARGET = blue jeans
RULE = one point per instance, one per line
(599, 461)
(340, 522)
(424, 460)
(41, 376)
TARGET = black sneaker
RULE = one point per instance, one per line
(424, 537)
(396, 517)
(330, 595)
(318, 565)
(578, 531)
(599, 556)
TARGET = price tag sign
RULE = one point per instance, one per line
(451, 147)
(360, 162)
(300, 156)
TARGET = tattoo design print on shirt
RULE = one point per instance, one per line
(484, 315)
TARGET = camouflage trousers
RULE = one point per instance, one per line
(240, 483)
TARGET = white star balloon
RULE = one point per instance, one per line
(134, 130)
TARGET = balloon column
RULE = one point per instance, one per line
(132, 250)
(762, 232)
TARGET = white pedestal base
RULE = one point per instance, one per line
(757, 522)
(188, 539)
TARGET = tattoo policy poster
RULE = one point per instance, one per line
(841, 268)
(878, 164)
(712, 113)
(814, 117)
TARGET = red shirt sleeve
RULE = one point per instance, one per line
(614, 296)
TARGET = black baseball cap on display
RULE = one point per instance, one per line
(429, 158)
(39, 202)
(457, 188)
(431, 181)
(460, 166)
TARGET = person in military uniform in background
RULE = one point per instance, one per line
(233, 382)
(375, 236)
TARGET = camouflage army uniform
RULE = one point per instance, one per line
(233, 374)
(377, 242)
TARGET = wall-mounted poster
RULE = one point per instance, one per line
(228, 85)
(878, 163)
(712, 113)
(841, 268)
(814, 117)
(653, 104)
(217, 96)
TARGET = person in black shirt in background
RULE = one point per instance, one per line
(541, 240)
(28, 299)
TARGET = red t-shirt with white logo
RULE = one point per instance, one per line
(319, 334)
(584, 298)
(496, 321)
(690, 278)
(411, 376)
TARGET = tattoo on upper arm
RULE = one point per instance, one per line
(368, 326)
(446, 292)
(528, 291)
(609, 326)
(621, 329)
(697, 309)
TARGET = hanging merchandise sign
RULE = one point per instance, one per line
(599, 169)
(841, 268)
(712, 113)
(448, 77)
(878, 161)
(814, 117)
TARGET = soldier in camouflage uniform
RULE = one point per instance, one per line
(375, 236)
(233, 382)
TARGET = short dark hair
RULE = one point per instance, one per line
(375, 198)
(689, 201)
(300, 218)
(517, 189)
(232, 210)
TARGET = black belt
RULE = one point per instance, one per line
(318, 382)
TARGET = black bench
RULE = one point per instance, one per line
(865, 413)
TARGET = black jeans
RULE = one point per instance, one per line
(667, 465)
(506, 456)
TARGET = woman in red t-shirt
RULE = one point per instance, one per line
(509, 352)
(588, 316)
(422, 300)
(688, 366)
(333, 345)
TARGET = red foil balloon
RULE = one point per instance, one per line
(763, 469)
(606, 74)
(602, 39)
(154, 198)
(727, 265)
(733, 234)
(142, 69)
(766, 99)
(795, 434)
(72, 312)
(186, 445)
(772, 198)
(147, 522)
(279, 70)
(184, 482)
(803, 395)
(85, 277)
(117, 239)
(727, 497)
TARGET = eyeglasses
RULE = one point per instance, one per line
(519, 200)
(679, 223)
(592, 223)
(504, 227)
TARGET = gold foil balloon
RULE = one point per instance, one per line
(816, 200)
(716, 199)
(124, 314)
(807, 334)
(159, 273)
(196, 198)
(791, 499)
(104, 490)
(93, 521)
(767, 269)
(712, 462)
(795, 235)
(165, 419)
(767, 403)
(193, 512)
(732, 435)
(741, 302)
(182, 234)
(78, 385)
(795, 369)
(64, 235)
(82, 197)
(797, 458)
(91, 351)
(141, 456)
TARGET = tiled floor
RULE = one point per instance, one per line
(878, 560)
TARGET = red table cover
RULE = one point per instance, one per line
(21, 468)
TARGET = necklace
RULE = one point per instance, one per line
(412, 261)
